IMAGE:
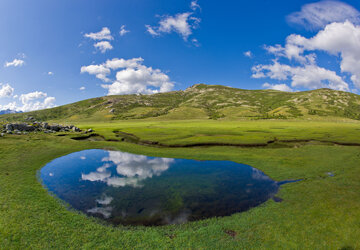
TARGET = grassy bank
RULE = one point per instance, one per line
(317, 213)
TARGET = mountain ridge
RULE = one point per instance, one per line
(202, 101)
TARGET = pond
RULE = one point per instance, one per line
(130, 189)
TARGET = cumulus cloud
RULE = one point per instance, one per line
(317, 15)
(35, 101)
(336, 39)
(181, 23)
(15, 63)
(11, 106)
(307, 76)
(340, 40)
(280, 87)
(50, 73)
(30, 101)
(82, 88)
(6, 90)
(123, 31)
(132, 77)
(104, 34)
(103, 46)
(100, 71)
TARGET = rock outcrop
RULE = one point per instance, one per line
(23, 128)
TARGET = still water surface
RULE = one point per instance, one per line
(130, 189)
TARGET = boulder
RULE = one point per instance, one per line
(76, 129)
(55, 128)
(9, 127)
(45, 125)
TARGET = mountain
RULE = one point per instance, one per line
(207, 102)
(8, 111)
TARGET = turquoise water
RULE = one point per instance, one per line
(130, 189)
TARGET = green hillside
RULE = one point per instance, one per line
(207, 102)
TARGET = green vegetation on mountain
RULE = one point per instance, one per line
(207, 102)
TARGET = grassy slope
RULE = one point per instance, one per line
(207, 102)
(319, 212)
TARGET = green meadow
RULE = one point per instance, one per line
(319, 212)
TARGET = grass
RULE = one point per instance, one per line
(202, 101)
(320, 212)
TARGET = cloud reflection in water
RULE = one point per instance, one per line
(130, 169)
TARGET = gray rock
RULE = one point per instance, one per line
(76, 129)
(90, 130)
(2, 134)
(9, 127)
(55, 128)
(45, 125)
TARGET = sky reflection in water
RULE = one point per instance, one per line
(129, 189)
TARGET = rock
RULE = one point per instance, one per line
(55, 128)
(90, 130)
(2, 134)
(45, 125)
(9, 127)
(112, 111)
(30, 118)
(76, 129)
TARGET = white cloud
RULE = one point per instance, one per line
(35, 101)
(15, 63)
(103, 46)
(104, 34)
(336, 39)
(50, 73)
(11, 106)
(340, 40)
(317, 15)
(123, 31)
(6, 90)
(82, 88)
(194, 5)
(151, 31)
(100, 71)
(133, 77)
(181, 23)
(248, 54)
(122, 63)
(30, 101)
(281, 87)
(307, 76)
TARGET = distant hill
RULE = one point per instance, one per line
(8, 111)
(207, 102)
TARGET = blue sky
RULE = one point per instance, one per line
(58, 52)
